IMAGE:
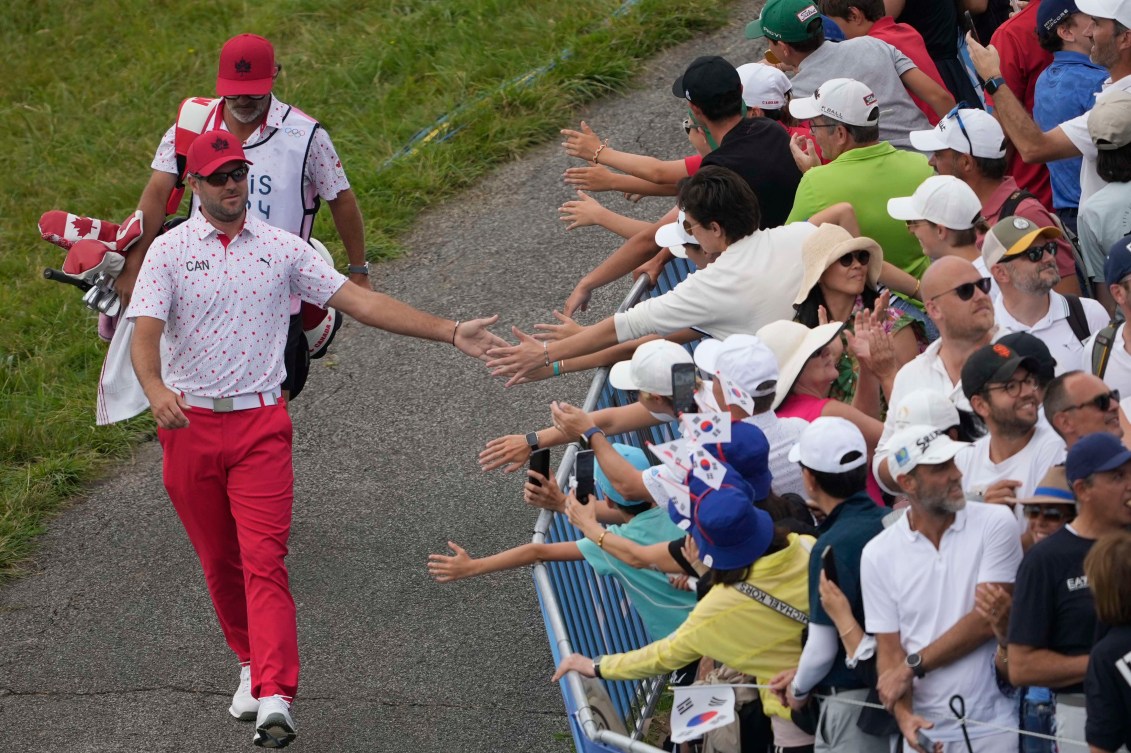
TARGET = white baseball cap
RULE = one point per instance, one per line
(918, 445)
(967, 131)
(650, 369)
(1120, 10)
(845, 100)
(925, 407)
(830, 444)
(743, 359)
(942, 199)
(673, 237)
(763, 86)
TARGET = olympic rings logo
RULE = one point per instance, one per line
(294, 131)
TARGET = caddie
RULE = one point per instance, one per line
(296, 168)
(217, 287)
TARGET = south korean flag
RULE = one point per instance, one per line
(706, 468)
(674, 455)
(705, 428)
(735, 395)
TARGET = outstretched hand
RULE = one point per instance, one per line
(474, 337)
(581, 144)
(580, 212)
(511, 451)
(578, 300)
(565, 327)
(445, 568)
(516, 361)
(589, 178)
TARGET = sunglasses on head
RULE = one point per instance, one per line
(863, 256)
(217, 179)
(1034, 253)
(965, 291)
(1102, 402)
(1053, 513)
(961, 126)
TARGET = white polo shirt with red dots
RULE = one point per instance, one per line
(225, 303)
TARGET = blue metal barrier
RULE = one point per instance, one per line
(591, 614)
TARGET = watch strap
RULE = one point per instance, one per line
(359, 269)
(991, 85)
(588, 435)
(532, 440)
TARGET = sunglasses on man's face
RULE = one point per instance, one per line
(965, 291)
(1034, 253)
(252, 97)
(1102, 403)
(218, 179)
(1052, 513)
(862, 257)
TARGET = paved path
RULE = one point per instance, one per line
(111, 644)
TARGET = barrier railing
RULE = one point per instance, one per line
(591, 614)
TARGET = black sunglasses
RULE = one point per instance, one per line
(239, 175)
(1101, 402)
(1053, 513)
(1033, 253)
(863, 256)
(965, 291)
(252, 97)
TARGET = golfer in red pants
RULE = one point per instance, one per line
(217, 287)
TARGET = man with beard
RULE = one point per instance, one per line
(211, 309)
(1022, 259)
(1006, 464)
(919, 578)
(296, 168)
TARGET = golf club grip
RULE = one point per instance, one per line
(57, 276)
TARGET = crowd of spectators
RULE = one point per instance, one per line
(920, 363)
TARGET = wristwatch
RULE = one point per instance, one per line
(532, 440)
(915, 664)
(359, 269)
(991, 85)
(597, 667)
(588, 435)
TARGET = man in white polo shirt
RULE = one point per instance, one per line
(1114, 362)
(745, 375)
(941, 214)
(918, 579)
(1021, 257)
(218, 288)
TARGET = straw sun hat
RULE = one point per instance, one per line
(793, 343)
(823, 248)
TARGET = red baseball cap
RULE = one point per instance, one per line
(247, 66)
(211, 150)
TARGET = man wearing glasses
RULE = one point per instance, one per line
(296, 167)
(1078, 404)
(1006, 464)
(970, 145)
(1053, 621)
(1021, 257)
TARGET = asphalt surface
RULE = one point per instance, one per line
(110, 643)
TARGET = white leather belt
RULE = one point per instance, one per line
(238, 402)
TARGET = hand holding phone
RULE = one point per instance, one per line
(922, 739)
(540, 462)
(828, 564)
(968, 22)
(583, 473)
(683, 388)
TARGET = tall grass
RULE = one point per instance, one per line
(86, 89)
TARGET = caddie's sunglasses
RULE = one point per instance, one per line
(863, 256)
(961, 126)
(965, 291)
(1052, 513)
(1102, 402)
(218, 179)
(1034, 253)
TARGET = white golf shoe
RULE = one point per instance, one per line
(244, 705)
(274, 727)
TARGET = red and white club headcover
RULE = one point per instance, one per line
(319, 324)
(89, 258)
(65, 229)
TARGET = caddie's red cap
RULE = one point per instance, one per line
(213, 149)
(247, 66)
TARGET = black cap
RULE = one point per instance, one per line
(993, 363)
(706, 78)
(1032, 347)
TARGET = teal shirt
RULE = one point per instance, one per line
(661, 607)
(867, 177)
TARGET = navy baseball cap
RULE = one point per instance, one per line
(1051, 13)
(748, 452)
(1095, 453)
(1118, 264)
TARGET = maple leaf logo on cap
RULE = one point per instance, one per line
(220, 144)
(243, 66)
(1002, 350)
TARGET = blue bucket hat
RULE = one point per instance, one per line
(728, 529)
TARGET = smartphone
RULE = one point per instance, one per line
(828, 564)
(924, 741)
(583, 472)
(770, 58)
(683, 388)
(540, 462)
(968, 22)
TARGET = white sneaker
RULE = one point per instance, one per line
(244, 705)
(274, 727)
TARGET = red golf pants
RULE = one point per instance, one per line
(230, 479)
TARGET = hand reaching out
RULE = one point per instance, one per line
(581, 144)
(511, 451)
(565, 327)
(590, 178)
(581, 212)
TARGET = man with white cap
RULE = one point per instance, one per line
(918, 578)
(833, 459)
(1110, 34)
(1021, 257)
(794, 33)
(845, 117)
(942, 214)
(970, 145)
(745, 375)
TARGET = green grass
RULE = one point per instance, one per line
(86, 89)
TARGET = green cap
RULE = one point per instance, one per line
(784, 21)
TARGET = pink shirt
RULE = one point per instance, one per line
(907, 40)
(226, 310)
